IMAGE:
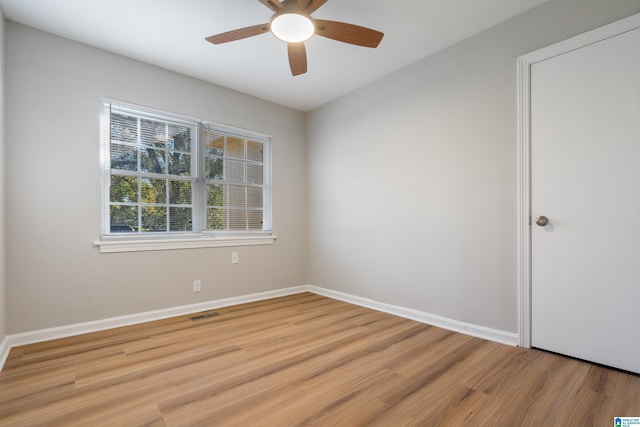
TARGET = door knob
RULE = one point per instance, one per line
(542, 221)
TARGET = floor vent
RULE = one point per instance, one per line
(205, 315)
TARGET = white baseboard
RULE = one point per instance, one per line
(42, 335)
(4, 351)
(490, 334)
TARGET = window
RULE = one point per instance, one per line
(165, 176)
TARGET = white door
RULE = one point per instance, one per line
(585, 178)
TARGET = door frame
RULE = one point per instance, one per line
(524, 156)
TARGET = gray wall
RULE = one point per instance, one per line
(412, 193)
(3, 301)
(54, 274)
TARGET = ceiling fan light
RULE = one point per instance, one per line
(292, 27)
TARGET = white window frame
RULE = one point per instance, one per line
(200, 237)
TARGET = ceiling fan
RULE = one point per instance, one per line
(292, 23)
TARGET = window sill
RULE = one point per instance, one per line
(111, 246)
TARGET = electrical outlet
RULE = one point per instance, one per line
(234, 258)
(196, 286)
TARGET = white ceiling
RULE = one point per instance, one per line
(170, 34)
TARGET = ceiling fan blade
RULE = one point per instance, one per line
(311, 5)
(297, 58)
(348, 33)
(272, 4)
(240, 33)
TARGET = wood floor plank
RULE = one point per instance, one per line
(74, 406)
(303, 360)
(233, 391)
(145, 415)
(613, 383)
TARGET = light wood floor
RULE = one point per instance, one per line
(303, 360)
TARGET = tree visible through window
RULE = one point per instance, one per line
(167, 174)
